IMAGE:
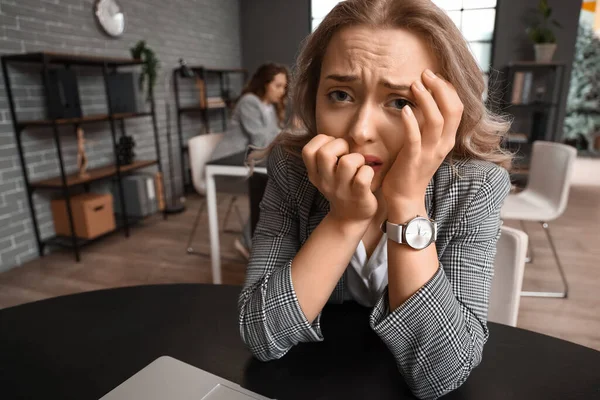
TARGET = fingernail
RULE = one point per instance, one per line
(419, 86)
(430, 74)
(407, 111)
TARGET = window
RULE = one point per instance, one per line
(474, 18)
(319, 9)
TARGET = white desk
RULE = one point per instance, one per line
(229, 166)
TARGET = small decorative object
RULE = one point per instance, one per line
(540, 93)
(542, 35)
(125, 153)
(150, 67)
(184, 70)
(110, 17)
(82, 160)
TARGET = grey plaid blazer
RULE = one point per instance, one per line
(437, 335)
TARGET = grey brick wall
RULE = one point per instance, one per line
(203, 32)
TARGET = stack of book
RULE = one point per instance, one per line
(521, 87)
(208, 102)
(215, 102)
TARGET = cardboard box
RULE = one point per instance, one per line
(93, 215)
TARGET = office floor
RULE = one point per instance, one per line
(155, 254)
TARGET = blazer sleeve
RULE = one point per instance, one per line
(437, 335)
(251, 120)
(270, 318)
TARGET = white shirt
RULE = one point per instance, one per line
(366, 279)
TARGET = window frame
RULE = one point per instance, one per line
(491, 41)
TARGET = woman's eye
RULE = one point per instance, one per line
(400, 103)
(339, 95)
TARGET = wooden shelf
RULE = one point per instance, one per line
(74, 59)
(67, 241)
(82, 120)
(534, 64)
(219, 70)
(198, 108)
(94, 175)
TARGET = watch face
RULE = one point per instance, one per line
(419, 233)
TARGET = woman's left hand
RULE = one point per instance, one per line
(425, 147)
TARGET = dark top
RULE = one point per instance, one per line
(82, 346)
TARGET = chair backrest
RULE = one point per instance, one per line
(257, 183)
(509, 266)
(200, 149)
(550, 172)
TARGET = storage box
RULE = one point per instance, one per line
(93, 215)
(139, 192)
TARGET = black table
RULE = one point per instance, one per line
(82, 346)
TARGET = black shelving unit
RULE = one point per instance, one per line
(64, 182)
(540, 110)
(204, 74)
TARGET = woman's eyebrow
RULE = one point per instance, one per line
(395, 86)
(383, 82)
(342, 78)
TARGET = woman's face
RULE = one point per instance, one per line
(365, 81)
(275, 89)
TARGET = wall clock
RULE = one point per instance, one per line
(110, 17)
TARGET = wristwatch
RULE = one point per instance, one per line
(418, 233)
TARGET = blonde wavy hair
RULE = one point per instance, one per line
(480, 133)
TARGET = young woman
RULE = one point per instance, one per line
(256, 120)
(391, 198)
(259, 113)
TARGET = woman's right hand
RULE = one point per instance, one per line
(342, 177)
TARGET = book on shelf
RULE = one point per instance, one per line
(201, 92)
(521, 87)
(215, 102)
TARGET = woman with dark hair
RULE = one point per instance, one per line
(257, 118)
(259, 113)
(390, 198)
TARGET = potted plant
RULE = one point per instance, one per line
(541, 33)
(150, 67)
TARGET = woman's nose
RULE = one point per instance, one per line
(362, 129)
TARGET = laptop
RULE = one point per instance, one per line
(168, 378)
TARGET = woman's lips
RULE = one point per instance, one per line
(374, 162)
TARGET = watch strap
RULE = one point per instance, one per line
(393, 231)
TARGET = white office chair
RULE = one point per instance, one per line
(545, 196)
(200, 149)
(509, 267)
